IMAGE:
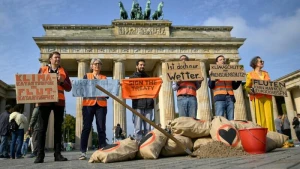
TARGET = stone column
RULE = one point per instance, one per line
(239, 106)
(290, 111)
(119, 110)
(275, 110)
(2, 104)
(166, 97)
(50, 132)
(83, 67)
(27, 112)
(253, 116)
(203, 111)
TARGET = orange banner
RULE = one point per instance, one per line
(138, 88)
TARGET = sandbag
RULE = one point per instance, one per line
(222, 130)
(122, 150)
(275, 140)
(190, 127)
(172, 149)
(150, 146)
(201, 142)
(240, 124)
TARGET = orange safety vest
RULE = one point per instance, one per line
(91, 101)
(62, 73)
(187, 88)
(255, 76)
(223, 87)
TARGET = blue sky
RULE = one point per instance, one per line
(272, 29)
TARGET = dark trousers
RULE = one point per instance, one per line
(88, 113)
(287, 132)
(43, 123)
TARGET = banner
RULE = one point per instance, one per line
(183, 71)
(138, 88)
(87, 88)
(269, 87)
(36, 88)
(227, 72)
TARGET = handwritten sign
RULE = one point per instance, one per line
(184, 71)
(227, 72)
(269, 87)
(137, 88)
(86, 88)
(36, 88)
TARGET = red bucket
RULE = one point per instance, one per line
(254, 140)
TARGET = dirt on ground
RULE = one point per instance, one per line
(217, 149)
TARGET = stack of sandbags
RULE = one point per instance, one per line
(150, 146)
(240, 124)
(202, 142)
(222, 130)
(120, 151)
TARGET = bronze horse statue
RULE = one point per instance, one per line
(159, 12)
(147, 12)
(123, 12)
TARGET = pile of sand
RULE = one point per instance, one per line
(217, 149)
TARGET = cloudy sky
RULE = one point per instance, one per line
(271, 27)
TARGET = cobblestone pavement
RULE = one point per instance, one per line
(279, 158)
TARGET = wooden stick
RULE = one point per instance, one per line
(188, 151)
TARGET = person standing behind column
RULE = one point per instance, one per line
(33, 128)
(278, 124)
(286, 129)
(186, 95)
(223, 93)
(4, 133)
(17, 135)
(63, 84)
(144, 106)
(93, 106)
(262, 103)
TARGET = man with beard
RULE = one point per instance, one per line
(144, 106)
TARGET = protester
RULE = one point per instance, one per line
(223, 93)
(4, 132)
(144, 106)
(33, 128)
(18, 134)
(186, 94)
(63, 84)
(262, 103)
(93, 106)
(296, 125)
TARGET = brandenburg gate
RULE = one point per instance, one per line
(120, 44)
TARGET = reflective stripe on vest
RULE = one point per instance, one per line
(223, 87)
(91, 101)
(187, 88)
(62, 73)
(255, 76)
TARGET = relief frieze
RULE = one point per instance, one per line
(141, 30)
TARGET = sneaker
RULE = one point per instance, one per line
(31, 155)
(83, 156)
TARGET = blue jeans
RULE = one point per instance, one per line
(3, 146)
(139, 123)
(225, 106)
(187, 106)
(24, 148)
(17, 136)
(88, 113)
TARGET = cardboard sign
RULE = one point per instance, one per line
(183, 71)
(86, 88)
(138, 88)
(227, 72)
(36, 88)
(269, 87)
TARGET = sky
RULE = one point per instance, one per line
(271, 29)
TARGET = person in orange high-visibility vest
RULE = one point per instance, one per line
(93, 106)
(63, 84)
(262, 103)
(223, 93)
(186, 95)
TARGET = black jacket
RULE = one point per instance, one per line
(4, 121)
(146, 103)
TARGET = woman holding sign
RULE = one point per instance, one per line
(93, 106)
(262, 103)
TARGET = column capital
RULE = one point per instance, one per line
(202, 60)
(166, 60)
(119, 60)
(83, 60)
(234, 60)
(43, 60)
